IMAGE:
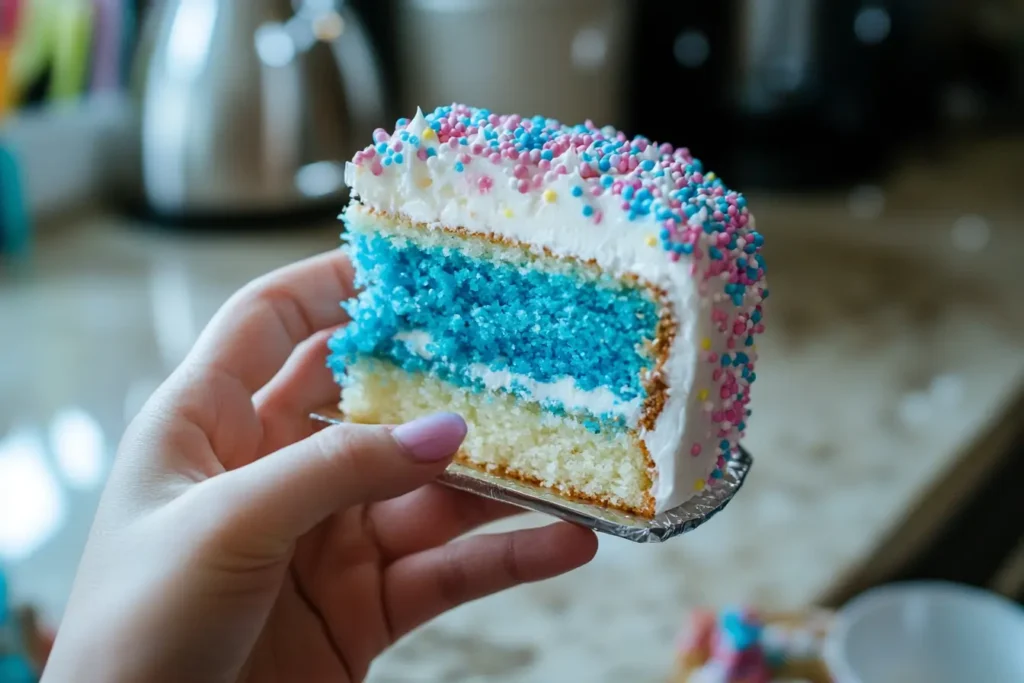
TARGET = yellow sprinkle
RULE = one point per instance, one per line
(710, 176)
(425, 182)
(550, 196)
(508, 213)
(753, 348)
(698, 485)
(702, 395)
(705, 343)
(651, 240)
(428, 134)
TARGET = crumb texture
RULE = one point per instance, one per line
(507, 435)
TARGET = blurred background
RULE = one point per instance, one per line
(156, 155)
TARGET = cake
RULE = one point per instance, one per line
(743, 646)
(587, 301)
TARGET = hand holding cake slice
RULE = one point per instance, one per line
(588, 302)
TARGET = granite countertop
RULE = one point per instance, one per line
(895, 342)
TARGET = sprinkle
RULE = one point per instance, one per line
(695, 450)
(508, 213)
(429, 134)
(705, 343)
(588, 211)
(698, 485)
(651, 241)
(459, 168)
(702, 395)
(550, 195)
(577, 191)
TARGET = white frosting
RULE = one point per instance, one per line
(565, 390)
(434, 193)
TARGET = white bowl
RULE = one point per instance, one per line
(927, 632)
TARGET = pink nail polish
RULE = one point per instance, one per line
(431, 438)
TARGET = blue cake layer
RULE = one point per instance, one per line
(541, 325)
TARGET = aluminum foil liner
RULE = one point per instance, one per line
(662, 527)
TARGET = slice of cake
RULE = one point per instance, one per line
(586, 301)
(744, 646)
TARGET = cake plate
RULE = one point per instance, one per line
(669, 524)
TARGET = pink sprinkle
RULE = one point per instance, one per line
(397, 145)
(513, 154)
(597, 191)
(380, 135)
(738, 327)
(465, 158)
(524, 186)
(716, 374)
(698, 178)
(485, 183)
(453, 143)
(617, 187)
(730, 343)
(721, 462)
(561, 169)
(534, 156)
(477, 148)
(520, 171)
(713, 358)
(625, 207)
(673, 256)
(598, 217)
(495, 158)
(718, 215)
(538, 181)
(717, 416)
(376, 168)
(544, 164)
(732, 210)
(724, 392)
(633, 163)
(695, 450)
(421, 154)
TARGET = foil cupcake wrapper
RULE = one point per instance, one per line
(669, 524)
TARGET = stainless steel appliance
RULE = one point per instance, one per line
(251, 107)
(561, 58)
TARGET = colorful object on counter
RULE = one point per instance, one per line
(554, 284)
(15, 228)
(746, 646)
(15, 665)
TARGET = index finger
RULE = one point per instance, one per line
(254, 333)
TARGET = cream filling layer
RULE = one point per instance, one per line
(565, 391)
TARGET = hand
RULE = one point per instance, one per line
(234, 542)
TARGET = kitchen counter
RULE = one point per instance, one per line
(894, 359)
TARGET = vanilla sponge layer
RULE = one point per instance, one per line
(506, 435)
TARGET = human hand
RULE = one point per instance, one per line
(234, 542)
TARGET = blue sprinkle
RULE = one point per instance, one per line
(741, 201)
(399, 158)
(547, 154)
(725, 360)
(588, 211)
(463, 141)
(723, 444)
(715, 253)
(643, 193)
(756, 316)
(459, 168)
(627, 192)
(577, 191)
(691, 211)
(750, 249)
(764, 295)
(737, 299)
(749, 341)
(387, 161)
(431, 152)
(716, 474)
(401, 123)
(680, 247)
(382, 147)
(647, 165)
(687, 248)
(604, 165)
(752, 273)
(414, 141)
(741, 426)
(752, 379)
(664, 234)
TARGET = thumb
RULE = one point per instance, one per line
(287, 493)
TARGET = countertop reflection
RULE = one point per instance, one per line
(895, 339)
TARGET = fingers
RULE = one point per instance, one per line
(303, 385)
(429, 517)
(280, 497)
(254, 333)
(420, 587)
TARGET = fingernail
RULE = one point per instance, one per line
(431, 438)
